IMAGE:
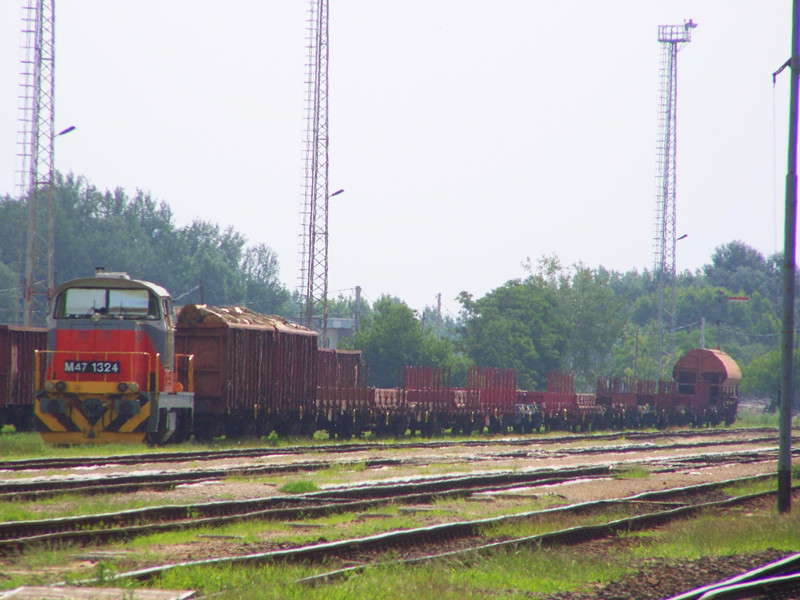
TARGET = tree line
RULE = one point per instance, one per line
(589, 321)
(199, 262)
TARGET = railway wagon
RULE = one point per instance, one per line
(558, 406)
(434, 405)
(18, 346)
(108, 373)
(629, 402)
(496, 390)
(707, 388)
(253, 374)
(344, 404)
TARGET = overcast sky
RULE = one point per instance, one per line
(467, 135)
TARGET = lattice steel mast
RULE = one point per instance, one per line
(314, 214)
(672, 39)
(36, 134)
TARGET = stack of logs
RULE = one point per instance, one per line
(192, 314)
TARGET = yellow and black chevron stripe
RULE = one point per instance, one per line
(79, 418)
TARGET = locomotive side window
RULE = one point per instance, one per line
(77, 303)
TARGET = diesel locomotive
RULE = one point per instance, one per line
(109, 370)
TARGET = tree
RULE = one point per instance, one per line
(516, 326)
(263, 291)
(395, 339)
(596, 319)
(137, 235)
(761, 378)
(739, 268)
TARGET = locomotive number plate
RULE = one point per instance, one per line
(91, 366)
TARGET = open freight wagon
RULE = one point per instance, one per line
(253, 374)
(18, 346)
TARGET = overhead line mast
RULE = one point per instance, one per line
(672, 39)
(36, 135)
(314, 213)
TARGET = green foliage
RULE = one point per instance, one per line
(761, 377)
(346, 307)
(137, 235)
(394, 338)
(556, 318)
(597, 318)
(516, 326)
(739, 268)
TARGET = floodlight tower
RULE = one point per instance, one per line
(35, 140)
(314, 213)
(672, 39)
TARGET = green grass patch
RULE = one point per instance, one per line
(750, 419)
(508, 575)
(69, 505)
(737, 531)
(300, 486)
(633, 472)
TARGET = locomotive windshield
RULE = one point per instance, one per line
(77, 303)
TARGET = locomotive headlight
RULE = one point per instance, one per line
(133, 386)
(49, 386)
(61, 386)
(122, 386)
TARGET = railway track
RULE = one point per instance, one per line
(15, 535)
(779, 579)
(470, 536)
(342, 448)
(42, 488)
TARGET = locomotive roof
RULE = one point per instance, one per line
(114, 283)
(709, 360)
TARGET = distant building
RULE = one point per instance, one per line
(338, 329)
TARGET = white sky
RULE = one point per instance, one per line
(467, 135)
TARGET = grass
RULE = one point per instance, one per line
(301, 486)
(509, 576)
(523, 573)
(750, 418)
(632, 472)
(517, 574)
(738, 531)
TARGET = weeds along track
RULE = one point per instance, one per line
(343, 448)
(37, 488)
(15, 535)
(465, 538)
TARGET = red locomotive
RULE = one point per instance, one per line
(108, 373)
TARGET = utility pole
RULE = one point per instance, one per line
(439, 316)
(672, 39)
(789, 269)
(358, 309)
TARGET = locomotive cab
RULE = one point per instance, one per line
(108, 373)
